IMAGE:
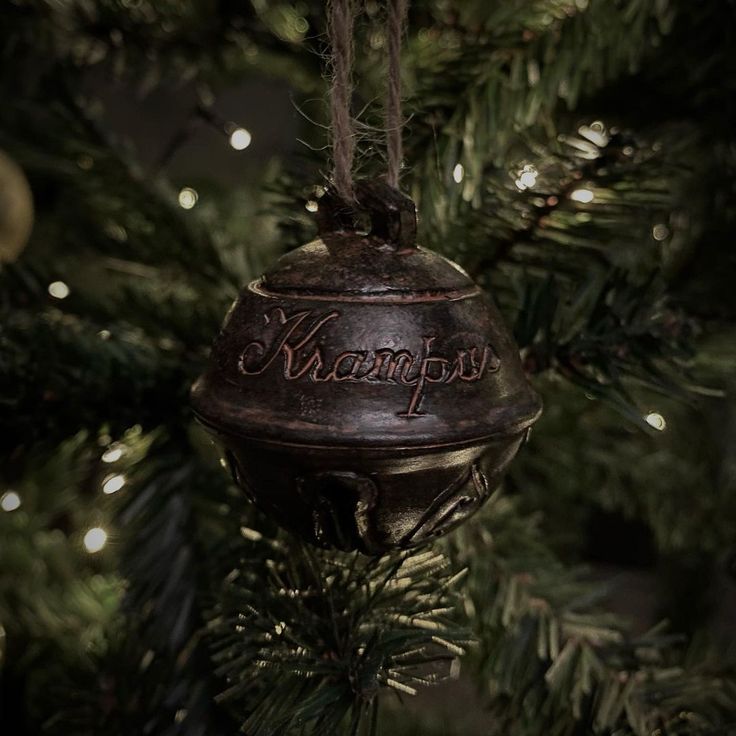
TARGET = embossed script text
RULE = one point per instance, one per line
(295, 348)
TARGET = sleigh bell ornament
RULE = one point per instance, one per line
(366, 393)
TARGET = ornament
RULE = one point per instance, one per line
(365, 392)
(16, 210)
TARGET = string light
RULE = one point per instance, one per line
(112, 454)
(582, 195)
(10, 501)
(188, 198)
(458, 173)
(58, 290)
(660, 232)
(656, 420)
(95, 539)
(240, 139)
(112, 484)
(311, 206)
(251, 534)
(595, 133)
(526, 178)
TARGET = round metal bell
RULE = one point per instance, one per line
(365, 391)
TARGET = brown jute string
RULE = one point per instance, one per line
(340, 23)
(394, 123)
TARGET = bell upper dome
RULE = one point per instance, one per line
(346, 263)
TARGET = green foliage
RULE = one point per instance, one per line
(56, 601)
(648, 476)
(555, 662)
(54, 383)
(165, 563)
(309, 651)
(486, 87)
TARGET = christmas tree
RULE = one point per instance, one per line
(577, 158)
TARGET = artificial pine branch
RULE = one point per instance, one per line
(60, 373)
(306, 640)
(483, 89)
(163, 559)
(554, 662)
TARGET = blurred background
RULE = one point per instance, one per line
(578, 158)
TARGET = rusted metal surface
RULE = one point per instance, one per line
(366, 393)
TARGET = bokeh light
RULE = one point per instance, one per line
(188, 198)
(10, 501)
(526, 177)
(95, 539)
(112, 454)
(582, 195)
(59, 290)
(660, 232)
(112, 484)
(656, 420)
(595, 132)
(240, 139)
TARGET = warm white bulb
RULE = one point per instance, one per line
(582, 195)
(112, 454)
(656, 420)
(95, 539)
(527, 178)
(595, 133)
(188, 198)
(240, 139)
(311, 205)
(660, 232)
(10, 501)
(458, 173)
(113, 483)
(58, 290)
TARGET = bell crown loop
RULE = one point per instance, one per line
(367, 248)
(390, 214)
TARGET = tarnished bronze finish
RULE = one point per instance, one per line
(365, 391)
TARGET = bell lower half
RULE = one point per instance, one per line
(368, 499)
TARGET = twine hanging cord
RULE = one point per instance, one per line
(394, 122)
(340, 25)
(341, 20)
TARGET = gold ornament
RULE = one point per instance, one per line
(16, 209)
